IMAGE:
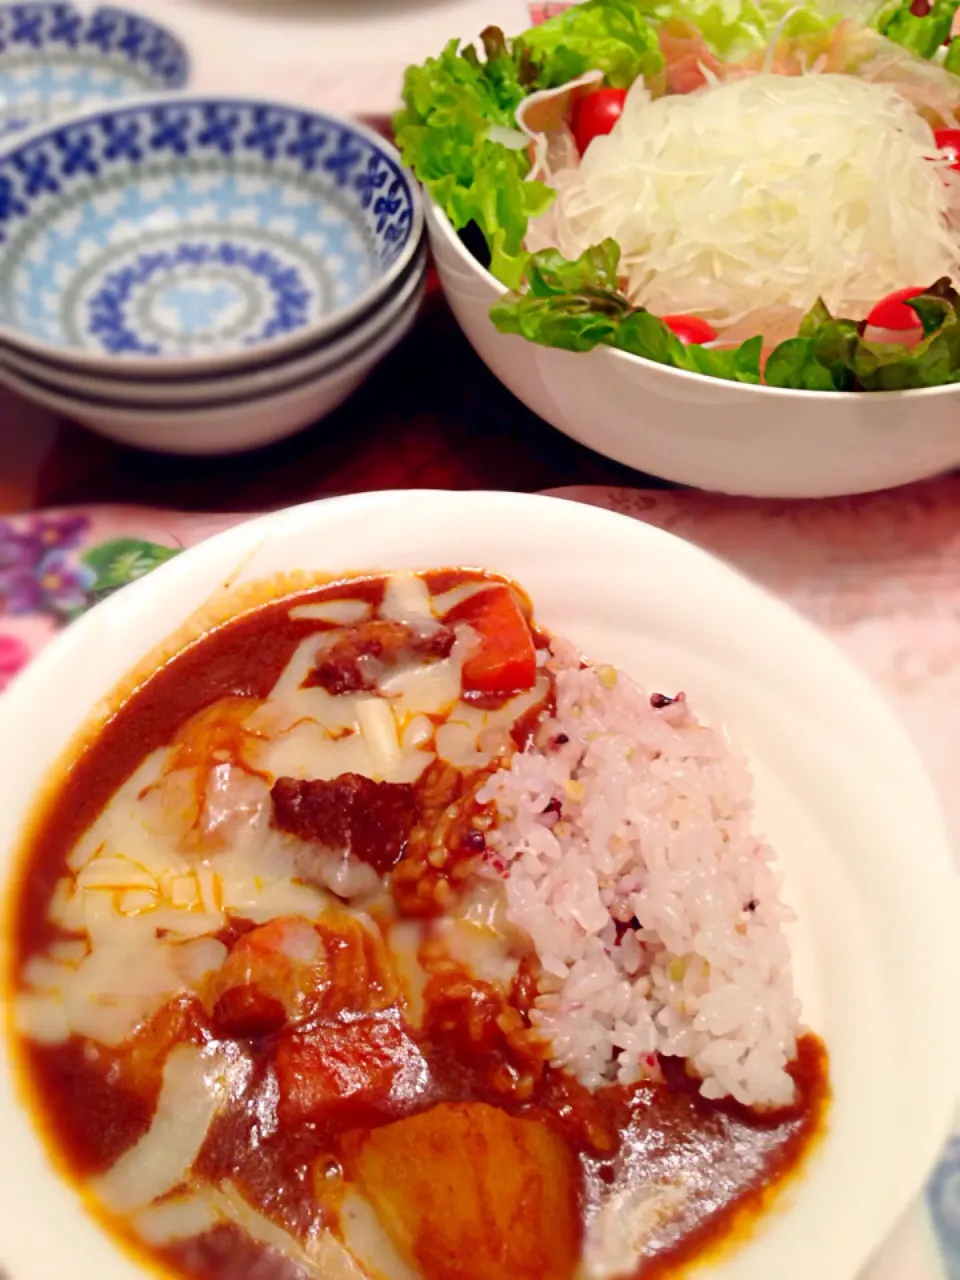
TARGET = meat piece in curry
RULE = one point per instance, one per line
(371, 820)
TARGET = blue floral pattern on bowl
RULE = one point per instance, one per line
(185, 228)
(54, 58)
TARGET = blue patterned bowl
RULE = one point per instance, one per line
(179, 235)
(55, 58)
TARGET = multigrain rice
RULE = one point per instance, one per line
(625, 836)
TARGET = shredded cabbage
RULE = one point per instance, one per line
(765, 191)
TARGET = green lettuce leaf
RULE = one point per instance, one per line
(831, 354)
(571, 305)
(795, 363)
(449, 105)
(922, 36)
(735, 28)
(952, 60)
(611, 36)
(643, 334)
(452, 100)
(576, 306)
(550, 274)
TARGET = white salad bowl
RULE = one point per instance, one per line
(765, 442)
(841, 794)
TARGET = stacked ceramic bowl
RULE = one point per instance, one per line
(203, 275)
(55, 58)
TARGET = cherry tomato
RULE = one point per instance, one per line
(892, 311)
(595, 114)
(690, 329)
(949, 140)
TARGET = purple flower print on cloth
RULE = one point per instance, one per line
(52, 586)
(63, 586)
(25, 548)
(46, 569)
(14, 654)
(36, 575)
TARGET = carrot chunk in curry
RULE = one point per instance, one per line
(505, 661)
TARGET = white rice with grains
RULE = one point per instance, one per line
(625, 838)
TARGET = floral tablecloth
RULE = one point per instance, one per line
(880, 573)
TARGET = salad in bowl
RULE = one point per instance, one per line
(763, 193)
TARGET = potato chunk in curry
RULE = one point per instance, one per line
(467, 1192)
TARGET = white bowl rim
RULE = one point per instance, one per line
(310, 334)
(437, 220)
(178, 579)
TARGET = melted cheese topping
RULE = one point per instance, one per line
(179, 851)
(187, 844)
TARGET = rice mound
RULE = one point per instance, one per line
(624, 836)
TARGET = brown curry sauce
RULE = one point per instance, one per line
(738, 1160)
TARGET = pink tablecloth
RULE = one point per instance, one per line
(880, 573)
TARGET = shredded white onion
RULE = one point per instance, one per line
(512, 139)
(457, 744)
(765, 191)
(339, 611)
(194, 1088)
(178, 1218)
(379, 728)
(406, 599)
(324, 1258)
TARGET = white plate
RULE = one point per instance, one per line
(841, 790)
